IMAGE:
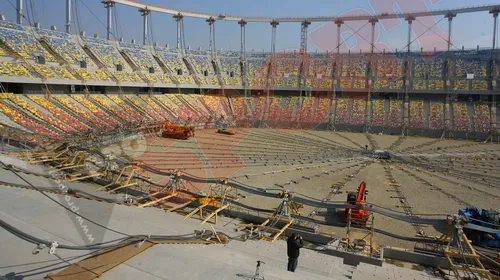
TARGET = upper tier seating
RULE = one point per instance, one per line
(17, 70)
(231, 70)
(175, 63)
(65, 46)
(23, 42)
(470, 66)
(319, 66)
(258, 65)
(353, 66)
(106, 52)
(141, 56)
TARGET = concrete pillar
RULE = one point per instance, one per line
(108, 4)
(450, 17)
(20, 11)
(339, 25)
(68, 16)
(145, 13)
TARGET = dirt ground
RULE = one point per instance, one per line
(440, 176)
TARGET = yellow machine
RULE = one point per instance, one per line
(217, 199)
(274, 226)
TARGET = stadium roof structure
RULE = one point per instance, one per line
(444, 12)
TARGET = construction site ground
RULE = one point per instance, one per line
(305, 162)
(298, 154)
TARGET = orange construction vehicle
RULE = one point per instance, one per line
(358, 216)
(177, 131)
(226, 131)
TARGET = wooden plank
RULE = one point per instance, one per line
(214, 214)
(93, 267)
(156, 201)
(177, 207)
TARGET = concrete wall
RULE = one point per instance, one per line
(409, 256)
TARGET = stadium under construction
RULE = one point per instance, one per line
(138, 161)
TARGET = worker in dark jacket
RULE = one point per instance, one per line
(294, 243)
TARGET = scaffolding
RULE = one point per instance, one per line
(275, 225)
(173, 188)
(219, 197)
(462, 258)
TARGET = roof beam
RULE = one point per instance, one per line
(485, 8)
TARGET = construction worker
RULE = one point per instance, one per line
(294, 243)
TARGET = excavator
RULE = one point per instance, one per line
(358, 216)
(177, 131)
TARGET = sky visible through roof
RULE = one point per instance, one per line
(469, 30)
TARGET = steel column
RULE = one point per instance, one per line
(68, 16)
(495, 26)
(450, 17)
(242, 24)
(145, 13)
(303, 36)
(373, 22)
(274, 24)
(178, 18)
(108, 4)
(211, 46)
(339, 25)
(20, 11)
(410, 21)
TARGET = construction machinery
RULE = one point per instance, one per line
(483, 219)
(177, 131)
(358, 215)
(173, 188)
(219, 197)
(463, 259)
(226, 131)
(275, 225)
